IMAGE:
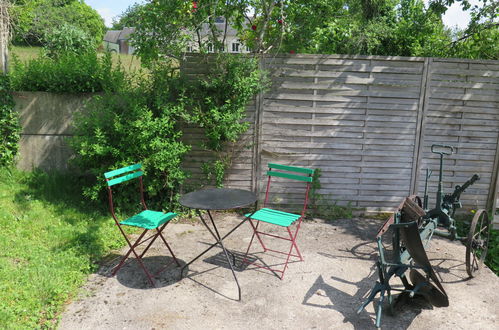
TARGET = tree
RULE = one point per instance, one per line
(5, 35)
(479, 38)
(368, 27)
(35, 19)
(129, 18)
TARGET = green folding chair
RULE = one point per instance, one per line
(280, 218)
(147, 219)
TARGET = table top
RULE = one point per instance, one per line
(218, 199)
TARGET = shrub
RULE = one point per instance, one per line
(9, 123)
(68, 73)
(131, 126)
(492, 259)
(67, 39)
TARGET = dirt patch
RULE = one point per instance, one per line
(322, 292)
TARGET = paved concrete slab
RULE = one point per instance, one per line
(323, 292)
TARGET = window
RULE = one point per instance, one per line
(189, 49)
(235, 47)
(210, 48)
(248, 49)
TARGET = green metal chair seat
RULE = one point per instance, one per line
(275, 217)
(148, 219)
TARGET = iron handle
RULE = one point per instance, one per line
(442, 152)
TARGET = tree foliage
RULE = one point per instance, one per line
(368, 27)
(129, 18)
(34, 20)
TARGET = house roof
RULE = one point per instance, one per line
(114, 36)
(126, 32)
(205, 29)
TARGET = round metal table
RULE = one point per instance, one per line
(218, 199)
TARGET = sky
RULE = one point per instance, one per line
(109, 9)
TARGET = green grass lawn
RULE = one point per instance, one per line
(50, 240)
(129, 63)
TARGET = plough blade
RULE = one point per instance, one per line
(428, 290)
(412, 240)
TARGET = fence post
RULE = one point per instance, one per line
(257, 135)
(421, 125)
(494, 184)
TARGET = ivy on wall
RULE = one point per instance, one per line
(219, 107)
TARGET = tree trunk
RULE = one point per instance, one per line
(4, 35)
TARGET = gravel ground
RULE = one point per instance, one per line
(322, 292)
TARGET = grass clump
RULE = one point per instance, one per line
(50, 240)
(127, 63)
(67, 73)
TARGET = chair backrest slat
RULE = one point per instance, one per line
(124, 178)
(290, 176)
(122, 170)
(291, 168)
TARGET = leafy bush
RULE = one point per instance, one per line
(67, 39)
(9, 123)
(134, 125)
(68, 73)
(492, 259)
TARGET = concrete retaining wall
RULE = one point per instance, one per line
(46, 121)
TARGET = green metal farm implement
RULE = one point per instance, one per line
(412, 227)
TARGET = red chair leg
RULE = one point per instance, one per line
(293, 244)
(138, 258)
(289, 254)
(168, 246)
(255, 233)
(125, 257)
(139, 241)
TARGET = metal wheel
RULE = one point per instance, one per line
(477, 242)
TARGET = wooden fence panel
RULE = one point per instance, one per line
(354, 118)
(368, 122)
(462, 111)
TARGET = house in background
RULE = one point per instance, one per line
(118, 41)
(232, 44)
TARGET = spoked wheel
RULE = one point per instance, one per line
(477, 242)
